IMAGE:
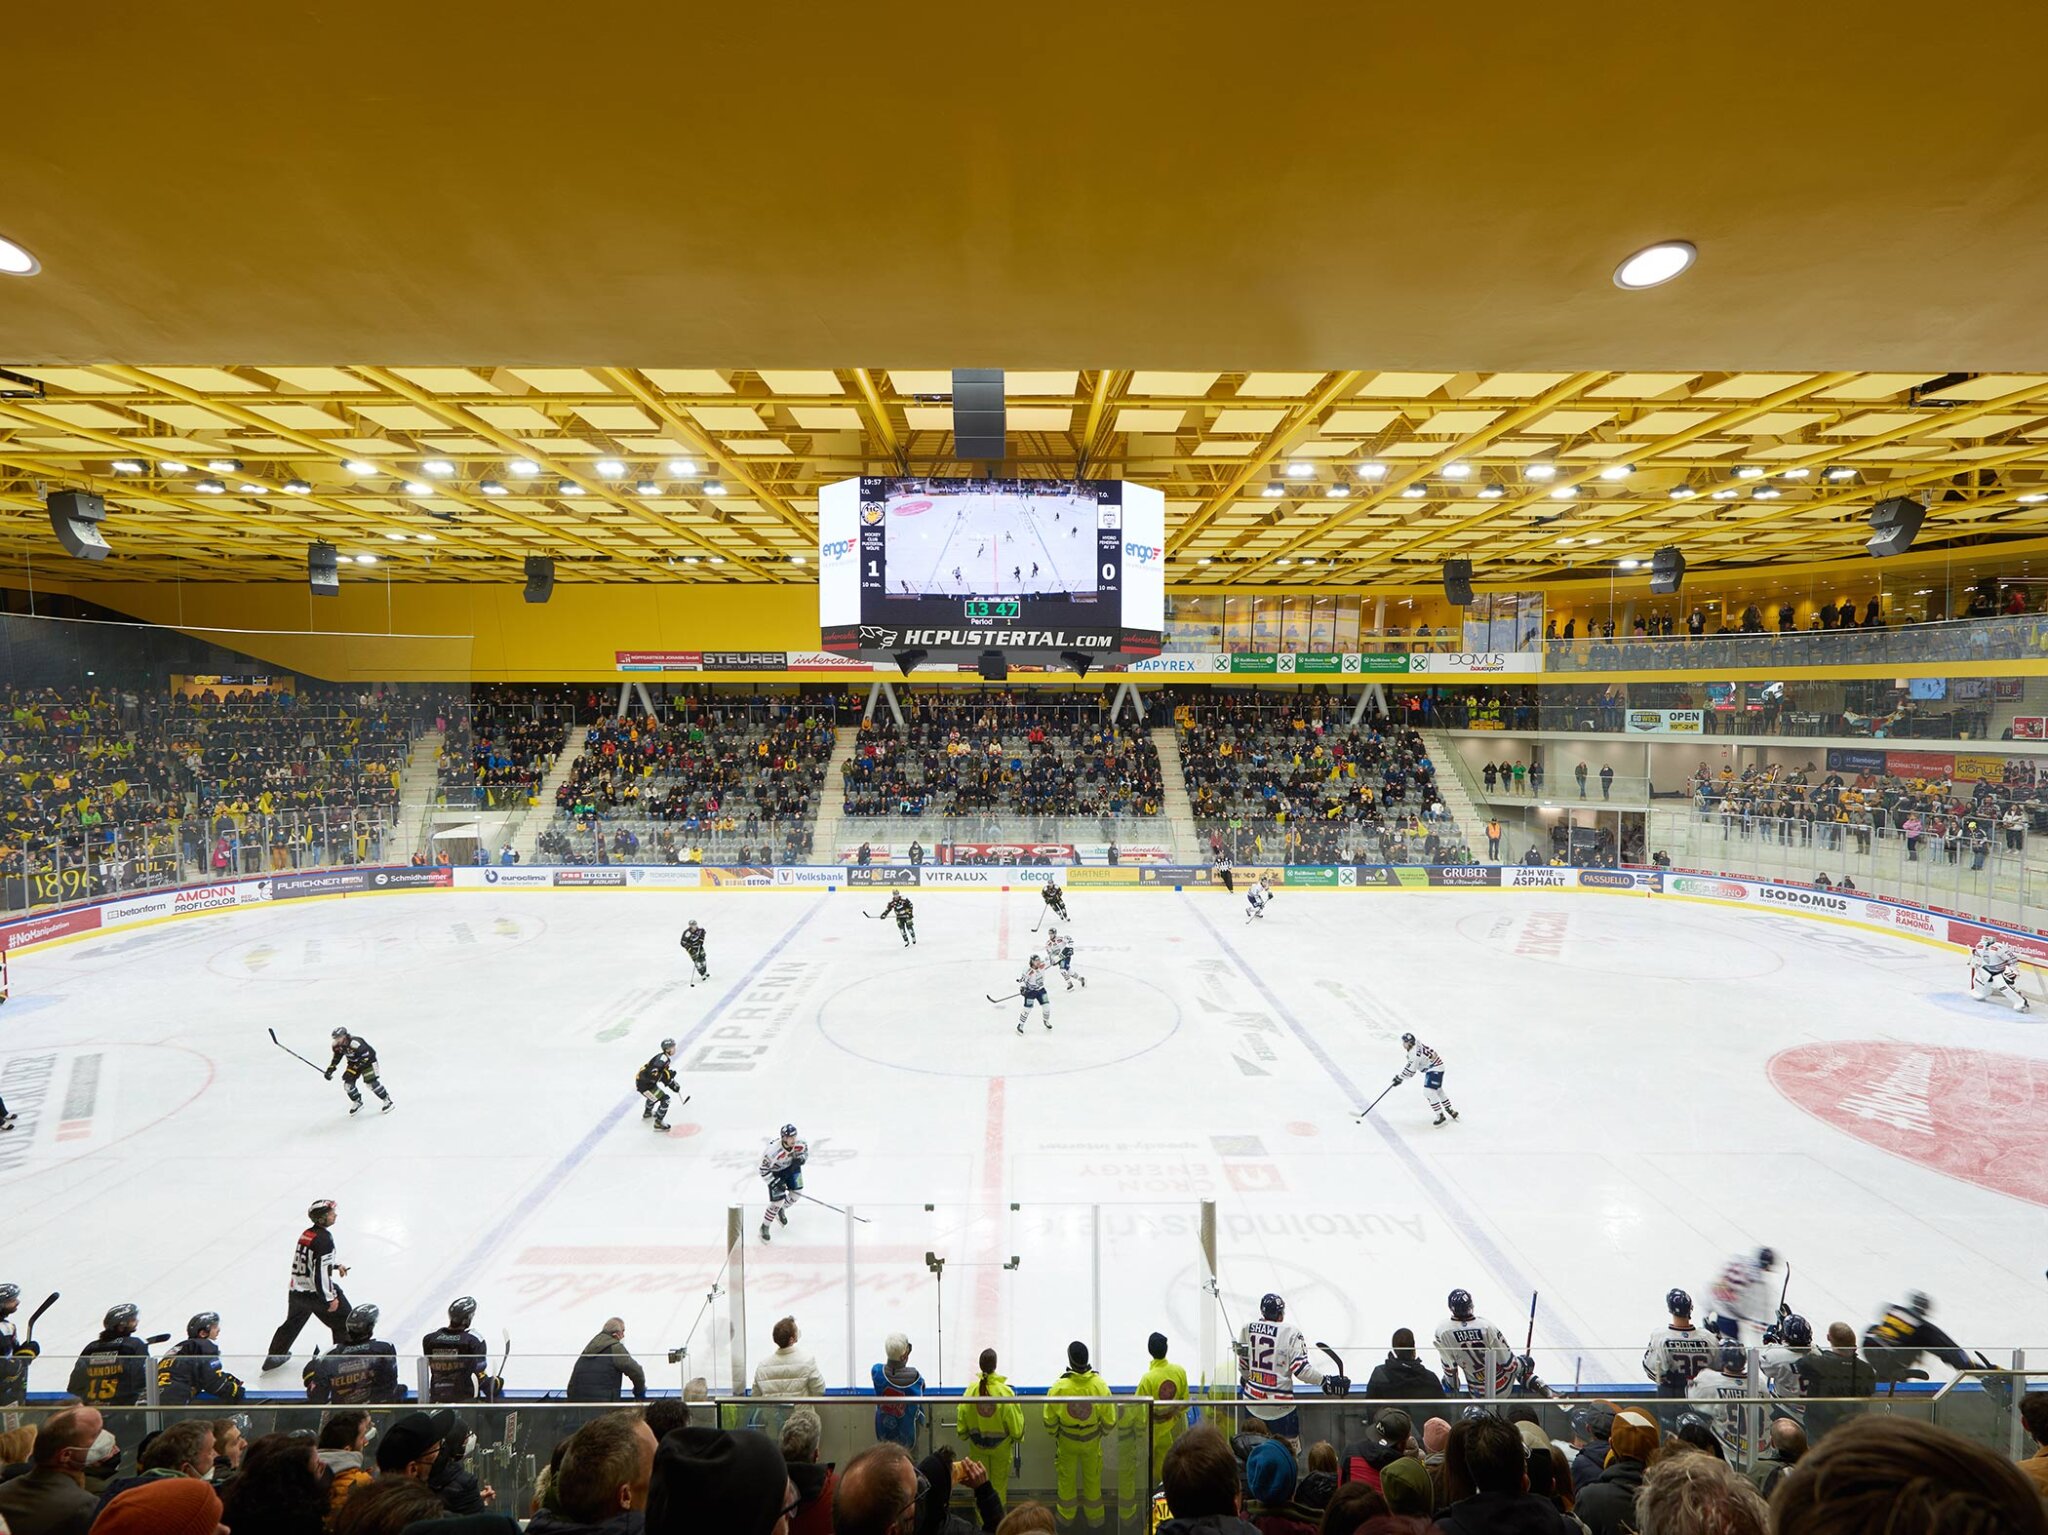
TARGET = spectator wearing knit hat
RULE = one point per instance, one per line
(733, 1481)
(1270, 1479)
(173, 1505)
(1607, 1505)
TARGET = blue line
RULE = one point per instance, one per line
(464, 1273)
(1462, 1220)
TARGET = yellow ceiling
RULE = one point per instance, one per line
(1348, 478)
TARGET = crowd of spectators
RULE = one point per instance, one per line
(1004, 754)
(1285, 777)
(500, 742)
(1932, 818)
(1993, 629)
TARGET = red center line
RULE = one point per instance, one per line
(988, 1276)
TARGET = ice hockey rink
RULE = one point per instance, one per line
(999, 542)
(1646, 1088)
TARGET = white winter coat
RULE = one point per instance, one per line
(788, 1372)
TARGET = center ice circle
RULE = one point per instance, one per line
(935, 1018)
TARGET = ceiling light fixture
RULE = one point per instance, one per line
(1540, 472)
(1749, 472)
(1371, 470)
(1768, 494)
(344, 559)
(1796, 474)
(1491, 492)
(396, 538)
(796, 559)
(1300, 470)
(1617, 471)
(366, 559)
(490, 487)
(418, 488)
(1725, 494)
(1595, 540)
(1841, 474)
(1682, 492)
(611, 468)
(568, 488)
(297, 487)
(1655, 264)
(210, 487)
(1274, 488)
(691, 559)
(2033, 496)
(439, 468)
(1336, 493)
(718, 559)
(224, 465)
(713, 488)
(249, 488)
(1205, 560)
(1280, 562)
(1457, 471)
(647, 488)
(682, 469)
(423, 538)
(15, 261)
(1563, 493)
(1627, 564)
(170, 466)
(1415, 492)
(522, 468)
(127, 466)
(358, 467)
(1567, 540)
(1306, 560)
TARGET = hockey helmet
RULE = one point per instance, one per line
(122, 1318)
(462, 1311)
(362, 1324)
(339, 1033)
(1766, 1258)
(789, 1132)
(320, 1207)
(1796, 1331)
(1408, 1040)
(202, 1323)
(668, 1046)
(1678, 1303)
(1272, 1307)
(1734, 1359)
(1919, 1303)
(1461, 1305)
(10, 1295)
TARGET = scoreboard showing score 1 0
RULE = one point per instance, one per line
(969, 565)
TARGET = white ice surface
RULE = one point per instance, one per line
(1620, 1134)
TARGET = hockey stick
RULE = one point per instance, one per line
(288, 1050)
(1529, 1339)
(502, 1362)
(1042, 910)
(837, 1210)
(999, 1001)
(36, 1314)
(1784, 1290)
(157, 1337)
(1375, 1103)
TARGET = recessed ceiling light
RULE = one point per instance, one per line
(210, 487)
(344, 559)
(1655, 264)
(718, 559)
(366, 559)
(418, 488)
(796, 559)
(1617, 471)
(1280, 562)
(1299, 470)
(2033, 496)
(223, 465)
(1841, 474)
(1371, 470)
(522, 469)
(568, 488)
(297, 487)
(1796, 474)
(1415, 492)
(1567, 540)
(1683, 492)
(1627, 564)
(1305, 560)
(1540, 472)
(127, 466)
(490, 487)
(1491, 492)
(691, 559)
(682, 468)
(396, 538)
(439, 468)
(249, 488)
(357, 466)
(1274, 488)
(15, 261)
(170, 466)
(1749, 472)
(611, 468)
(1595, 540)
(1563, 493)
(423, 538)
(1767, 494)
(1457, 471)
(713, 488)
(1336, 493)
(647, 488)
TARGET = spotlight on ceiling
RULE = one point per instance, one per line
(490, 487)
(439, 468)
(522, 469)
(1682, 492)
(1655, 264)
(127, 466)
(15, 261)
(1300, 470)
(298, 487)
(1371, 470)
(611, 468)
(1617, 471)
(1274, 488)
(224, 465)
(908, 661)
(1457, 471)
(1540, 472)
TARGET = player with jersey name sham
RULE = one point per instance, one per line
(1995, 973)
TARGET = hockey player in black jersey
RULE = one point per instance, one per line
(906, 922)
(458, 1364)
(693, 945)
(362, 1063)
(16, 1354)
(1895, 1341)
(361, 1370)
(315, 1289)
(193, 1368)
(1054, 897)
(113, 1369)
(655, 1081)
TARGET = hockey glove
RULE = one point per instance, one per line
(1450, 1383)
(1525, 1371)
(1336, 1385)
(1395, 1083)
(328, 1073)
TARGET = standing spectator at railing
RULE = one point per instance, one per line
(1535, 775)
(1493, 839)
(1489, 773)
(1579, 773)
(1521, 774)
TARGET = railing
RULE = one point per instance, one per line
(152, 855)
(2020, 637)
(1802, 714)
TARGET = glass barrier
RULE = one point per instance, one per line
(2020, 637)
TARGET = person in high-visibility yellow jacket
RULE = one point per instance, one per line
(991, 1423)
(1167, 1382)
(1077, 1429)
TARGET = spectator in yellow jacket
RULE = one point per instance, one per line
(990, 1420)
(1077, 1429)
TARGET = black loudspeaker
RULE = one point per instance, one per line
(323, 571)
(978, 413)
(994, 666)
(1894, 524)
(1458, 582)
(907, 661)
(75, 516)
(1667, 570)
(540, 578)
(1078, 660)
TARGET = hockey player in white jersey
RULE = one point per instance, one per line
(1713, 1392)
(1059, 951)
(1255, 899)
(1031, 987)
(1425, 1060)
(1477, 1356)
(1271, 1357)
(782, 1165)
(1678, 1352)
(1995, 973)
(1742, 1295)
(1784, 1346)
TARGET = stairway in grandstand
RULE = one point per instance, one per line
(525, 824)
(832, 799)
(1180, 831)
(1454, 785)
(416, 788)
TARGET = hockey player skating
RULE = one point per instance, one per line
(1425, 1060)
(782, 1165)
(1678, 1352)
(1059, 950)
(1271, 1356)
(1896, 1340)
(314, 1290)
(1477, 1356)
(361, 1065)
(655, 1081)
(1255, 899)
(16, 1353)
(1742, 1295)
(113, 1370)
(898, 906)
(1054, 898)
(458, 1363)
(192, 1368)
(693, 945)
(1031, 987)
(1995, 972)
(364, 1369)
